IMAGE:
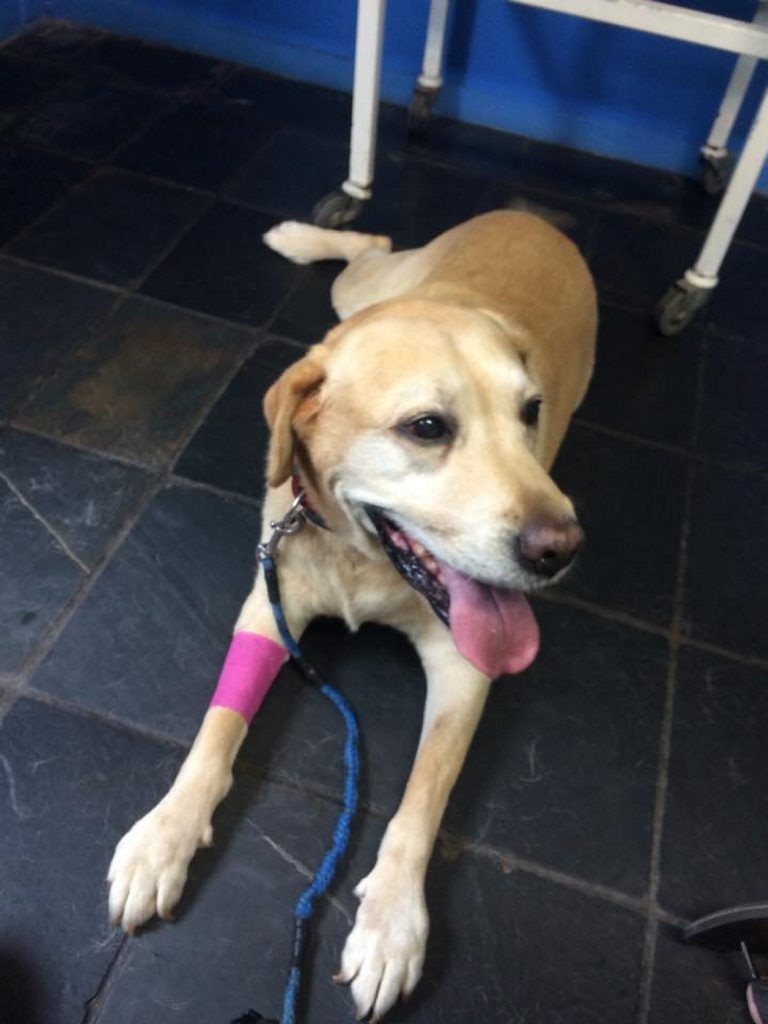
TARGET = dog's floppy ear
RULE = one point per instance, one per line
(282, 404)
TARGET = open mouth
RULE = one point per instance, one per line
(493, 627)
(414, 563)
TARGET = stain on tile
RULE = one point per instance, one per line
(230, 447)
(139, 384)
(42, 317)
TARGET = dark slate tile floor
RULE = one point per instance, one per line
(614, 792)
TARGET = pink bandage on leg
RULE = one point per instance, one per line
(249, 670)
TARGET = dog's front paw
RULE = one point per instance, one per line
(150, 864)
(384, 954)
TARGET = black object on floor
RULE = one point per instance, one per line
(745, 928)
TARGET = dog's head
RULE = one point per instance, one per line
(420, 431)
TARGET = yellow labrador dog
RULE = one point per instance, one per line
(422, 429)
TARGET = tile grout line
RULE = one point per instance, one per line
(264, 326)
(651, 628)
(44, 523)
(94, 1004)
(647, 967)
(748, 469)
(425, 156)
(46, 645)
(160, 481)
(551, 596)
(97, 453)
(125, 292)
(454, 841)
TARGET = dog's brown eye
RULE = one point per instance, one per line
(530, 412)
(428, 428)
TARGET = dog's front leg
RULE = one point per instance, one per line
(384, 953)
(150, 863)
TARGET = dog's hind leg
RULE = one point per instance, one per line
(306, 243)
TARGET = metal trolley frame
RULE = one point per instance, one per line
(737, 180)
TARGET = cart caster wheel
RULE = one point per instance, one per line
(336, 209)
(715, 172)
(678, 306)
(420, 109)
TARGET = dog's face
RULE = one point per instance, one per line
(419, 430)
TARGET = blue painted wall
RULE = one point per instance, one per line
(10, 18)
(541, 74)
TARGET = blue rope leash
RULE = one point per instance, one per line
(340, 840)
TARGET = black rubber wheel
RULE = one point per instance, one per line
(420, 110)
(678, 306)
(336, 209)
(715, 174)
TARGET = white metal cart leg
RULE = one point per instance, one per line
(431, 78)
(714, 153)
(680, 303)
(343, 206)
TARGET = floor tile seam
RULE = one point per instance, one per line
(5, 248)
(137, 283)
(466, 845)
(131, 293)
(189, 483)
(509, 861)
(30, 692)
(109, 75)
(97, 165)
(667, 728)
(58, 364)
(48, 527)
(613, 205)
(38, 97)
(94, 1004)
(40, 148)
(206, 407)
(44, 22)
(616, 615)
(222, 189)
(8, 699)
(69, 275)
(748, 660)
(700, 458)
(623, 618)
(659, 810)
(76, 446)
(72, 606)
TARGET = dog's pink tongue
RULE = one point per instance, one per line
(493, 628)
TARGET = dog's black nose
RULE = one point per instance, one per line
(546, 546)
